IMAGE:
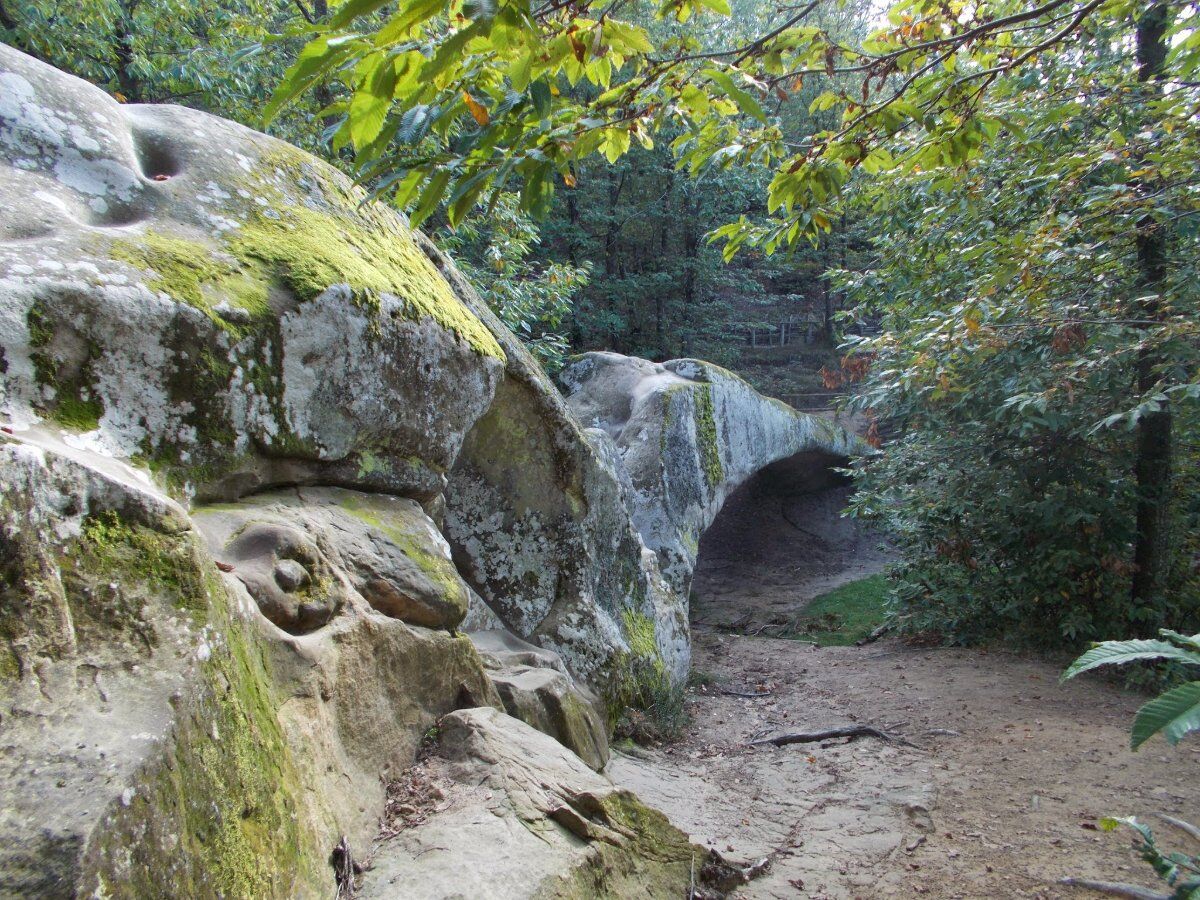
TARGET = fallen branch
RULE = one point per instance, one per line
(846, 731)
(1186, 827)
(729, 693)
(1115, 888)
(875, 635)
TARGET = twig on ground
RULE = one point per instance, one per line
(847, 731)
(875, 635)
(729, 693)
(1115, 888)
(1186, 827)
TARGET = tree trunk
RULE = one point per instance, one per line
(1151, 554)
(128, 83)
(664, 246)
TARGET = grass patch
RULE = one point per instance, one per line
(845, 615)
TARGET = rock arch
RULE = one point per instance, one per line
(688, 434)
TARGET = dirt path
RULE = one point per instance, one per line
(1003, 806)
(999, 798)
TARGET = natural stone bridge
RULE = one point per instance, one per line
(264, 455)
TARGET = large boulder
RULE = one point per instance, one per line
(515, 817)
(536, 688)
(179, 290)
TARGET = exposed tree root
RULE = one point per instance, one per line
(1186, 827)
(847, 731)
(1115, 888)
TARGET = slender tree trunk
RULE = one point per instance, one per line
(128, 83)
(664, 245)
(1151, 555)
(612, 261)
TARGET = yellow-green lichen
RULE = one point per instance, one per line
(653, 858)
(356, 243)
(706, 436)
(194, 273)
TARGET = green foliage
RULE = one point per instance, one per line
(1180, 871)
(1014, 334)
(494, 248)
(1174, 713)
(845, 615)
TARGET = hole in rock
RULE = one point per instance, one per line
(780, 541)
(156, 154)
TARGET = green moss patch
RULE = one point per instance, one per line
(75, 406)
(115, 569)
(644, 703)
(193, 273)
(844, 615)
(311, 251)
(706, 437)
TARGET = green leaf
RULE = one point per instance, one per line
(411, 15)
(1120, 652)
(318, 57)
(430, 197)
(351, 10)
(465, 193)
(1175, 714)
(370, 103)
(451, 51)
(745, 102)
(616, 143)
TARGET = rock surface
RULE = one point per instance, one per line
(178, 289)
(518, 817)
(536, 688)
(263, 453)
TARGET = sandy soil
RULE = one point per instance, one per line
(1000, 796)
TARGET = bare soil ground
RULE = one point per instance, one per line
(1000, 797)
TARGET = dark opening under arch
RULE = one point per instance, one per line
(779, 541)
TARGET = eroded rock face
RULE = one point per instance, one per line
(689, 433)
(537, 515)
(299, 552)
(536, 688)
(158, 729)
(178, 289)
(520, 818)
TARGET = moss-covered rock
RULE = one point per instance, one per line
(225, 309)
(158, 729)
